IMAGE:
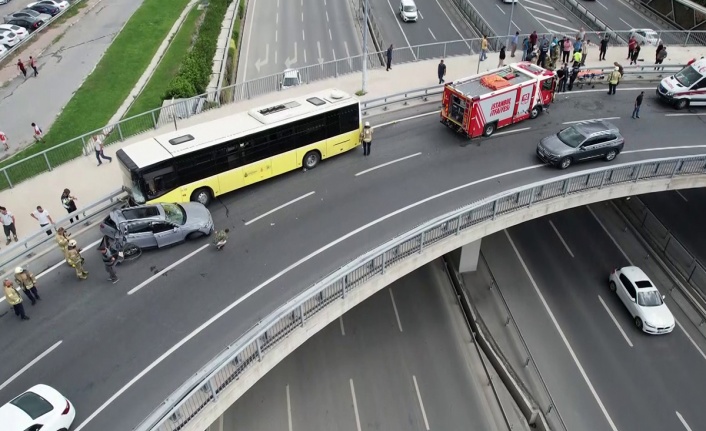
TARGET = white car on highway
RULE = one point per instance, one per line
(645, 36)
(40, 408)
(642, 299)
(61, 4)
(21, 32)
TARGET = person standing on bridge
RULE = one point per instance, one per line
(389, 57)
(533, 39)
(67, 201)
(98, 147)
(12, 296)
(367, 138)
(28, 284)
(566, 50)
(501, 56)
(513, 44)
(483, 48)
(8, 224)
(441, 71)
(603, 49)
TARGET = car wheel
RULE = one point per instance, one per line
(202, 196)
(638, 323)
(534, 113)
(195, 235)
(610, 155)
(681, 104)
(489, 129)
(565, 163)
(612, 286)
(311, 159)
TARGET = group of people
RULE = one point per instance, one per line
(27, 283)
(23, 69)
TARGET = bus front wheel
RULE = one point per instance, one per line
(311, 159)
(202, 195)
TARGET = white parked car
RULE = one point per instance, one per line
(61, 4)
(21, 32)
(645, 36)
(3, 51)
(642, 299)
(8, 38)
(40, 408)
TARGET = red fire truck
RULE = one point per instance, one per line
(481, 104)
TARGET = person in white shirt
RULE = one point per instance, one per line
(43, 217)
(8, 224)
(38, 133)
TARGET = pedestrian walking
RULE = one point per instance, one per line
(389, 57)
(603, 48)
(513, 43)
(501, 56)
(62, 239)
(367, 138)
(635, 55)
(74, 258)
(441, 71)
(12, 296)
(483, 48)
(566, 50)
(38, 134)
(3, 140)
(638, 103)
(632, 43)
(8, 224)
(21, 66)
(660, 56)
(98, 147)
(584, 51)
(67, 201)
(28, 283)
(33, 65)
(533, 39)
(43, 217)
(613, 80)
(109, 261)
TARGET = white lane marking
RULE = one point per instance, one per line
(247, 47)
(276, 37)
(330, 35)
(591, 119)
(304, 38)
(626, 23)
(679, 147)
(555, 23)
(612, 317)
(612, 238)
(277, 18)
(561, 238)
(693, 343)
(302, 16)
(394, 306)
(601, 3)
(546, 13)
(334, 54)
(387, 164)
(275, 56)
(507, 132)
(452, 24)
(516, 26)
(420, 14)
(683, 422)
(681, 196)
(414, 117)
(400, 27)
(539, 4)
(432, 34)
(501, 9)
(32, 362)
(289, 410)
(343, 329)
(685, 114)
(279, 207)
(355, 407)
(327, 16)
(421, 404)
(561, 334)
(170, 267)
(267, 282)
(603, 89)
(304, 55)
(532, 15)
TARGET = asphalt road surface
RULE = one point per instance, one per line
(404, 353)
(282, 34)
(112, 362)
(619, 16)
(606, 375)
(62, 70)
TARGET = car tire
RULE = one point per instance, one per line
(489, 129)
(611, 155)
(638, 323)
(311, 159)
(612, 286)
(534, 112)
(204, 196)
(195, 235)
(681, 104)
(565, 162)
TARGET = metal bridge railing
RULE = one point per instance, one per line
(209, 383)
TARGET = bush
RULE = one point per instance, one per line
(195, 73)
(241, 10)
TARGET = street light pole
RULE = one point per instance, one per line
(365, 46)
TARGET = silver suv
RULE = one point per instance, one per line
(582, 141)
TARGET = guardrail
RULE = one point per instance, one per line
(205, 386)
(23, 249)
(10, 52)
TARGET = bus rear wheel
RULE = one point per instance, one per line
(311, 159)
(202, 196)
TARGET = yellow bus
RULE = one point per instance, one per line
(209, 159)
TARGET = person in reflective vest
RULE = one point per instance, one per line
(28, 284)
(12, 296)
(367, 138)
(73, 258)
(62, 238)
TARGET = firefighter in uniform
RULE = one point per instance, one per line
(62, 238)
(28, 284)
(73, 258)
(13, 298)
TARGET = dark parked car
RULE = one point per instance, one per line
(582, 141)
(27, 14)
(30, 24)
(45, 8)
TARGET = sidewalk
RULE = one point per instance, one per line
(89, 182)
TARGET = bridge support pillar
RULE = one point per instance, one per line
(468, 257)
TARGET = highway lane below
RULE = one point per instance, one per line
(620, 16)
(347, 216)
(408, 337)
(569, 262)
(283, 34)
